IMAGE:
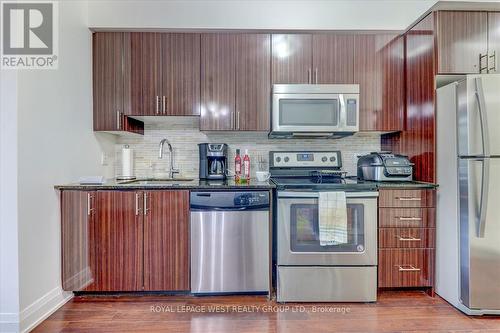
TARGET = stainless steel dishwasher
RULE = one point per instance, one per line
(229, 242)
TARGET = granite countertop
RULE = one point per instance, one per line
(113, 184)
(409, 185)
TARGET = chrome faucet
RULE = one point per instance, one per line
(171, 170)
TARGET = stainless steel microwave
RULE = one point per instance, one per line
(315, 110)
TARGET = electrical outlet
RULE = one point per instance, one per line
(104, 159)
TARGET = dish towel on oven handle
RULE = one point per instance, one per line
(332, 214)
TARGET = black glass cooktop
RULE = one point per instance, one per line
(322, 183)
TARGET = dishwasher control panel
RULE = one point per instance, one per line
(229, 200)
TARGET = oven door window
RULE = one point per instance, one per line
(309, 112)
(304, 229)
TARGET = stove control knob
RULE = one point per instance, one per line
(278, 159)
(324, 159)
(332, 159)
(287, 159)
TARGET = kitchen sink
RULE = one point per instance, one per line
(156, 181)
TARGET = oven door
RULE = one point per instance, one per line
(298, 231)
(309, 113)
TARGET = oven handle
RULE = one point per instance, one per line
(290, 194)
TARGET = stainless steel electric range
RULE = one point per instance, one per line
(307, 271)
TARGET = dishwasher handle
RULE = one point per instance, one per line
(199, 208)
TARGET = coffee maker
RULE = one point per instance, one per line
(213, 161)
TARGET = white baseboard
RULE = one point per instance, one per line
(43, 307)
(9, 322)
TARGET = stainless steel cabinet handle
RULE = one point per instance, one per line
(164, 105)
(309, 75)
(481, 57)
(409, 199)
(238, 120)
(118, 119)
(157, 102)
(137, 204)
(316, 75)
(494, 57)
(408, 239)
(89, 204)
(410, 269)
(146, 203)
(410, 218)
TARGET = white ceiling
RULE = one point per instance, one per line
(258, 14)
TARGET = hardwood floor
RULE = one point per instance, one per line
(394, 312)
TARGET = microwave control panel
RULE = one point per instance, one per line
(294, 159)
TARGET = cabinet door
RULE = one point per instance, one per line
(145, 71)
(379, 71)
(77, 241)
(217, 82)
(166, 240)
(180, 74)
(107, 80)
(493, 41)
(119, 241)
(253, 82)
(333, 58)
(461, 39)
(291, 58)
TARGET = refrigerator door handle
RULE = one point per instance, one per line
(483, 202)
(483, 117)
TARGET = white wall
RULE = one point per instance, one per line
(9, 276)
(56, 145)
(258, 14)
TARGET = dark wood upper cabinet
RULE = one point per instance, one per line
(462, 37)
(119, 241)
(111, 89)
(144, 74)
(418, 138)
(218, 81)
(253, 82)
(235, 82)
(145, 71)
(77, 241)
(166, 240)
(379, 71)
(291, 58)
(180, 74)
(107, 80)
(333, 58)
(493, 41)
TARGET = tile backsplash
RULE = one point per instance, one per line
(184, 135)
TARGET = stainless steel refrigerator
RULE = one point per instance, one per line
(468, 209)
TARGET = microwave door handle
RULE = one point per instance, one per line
(342, 112)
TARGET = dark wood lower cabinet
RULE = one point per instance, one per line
(77, 232)
(406, 238)
(405, 268)
(166, 240)
(119, 241)
(125, 240)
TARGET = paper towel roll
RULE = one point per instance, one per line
(127, 162)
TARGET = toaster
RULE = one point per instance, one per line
(385, 166)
